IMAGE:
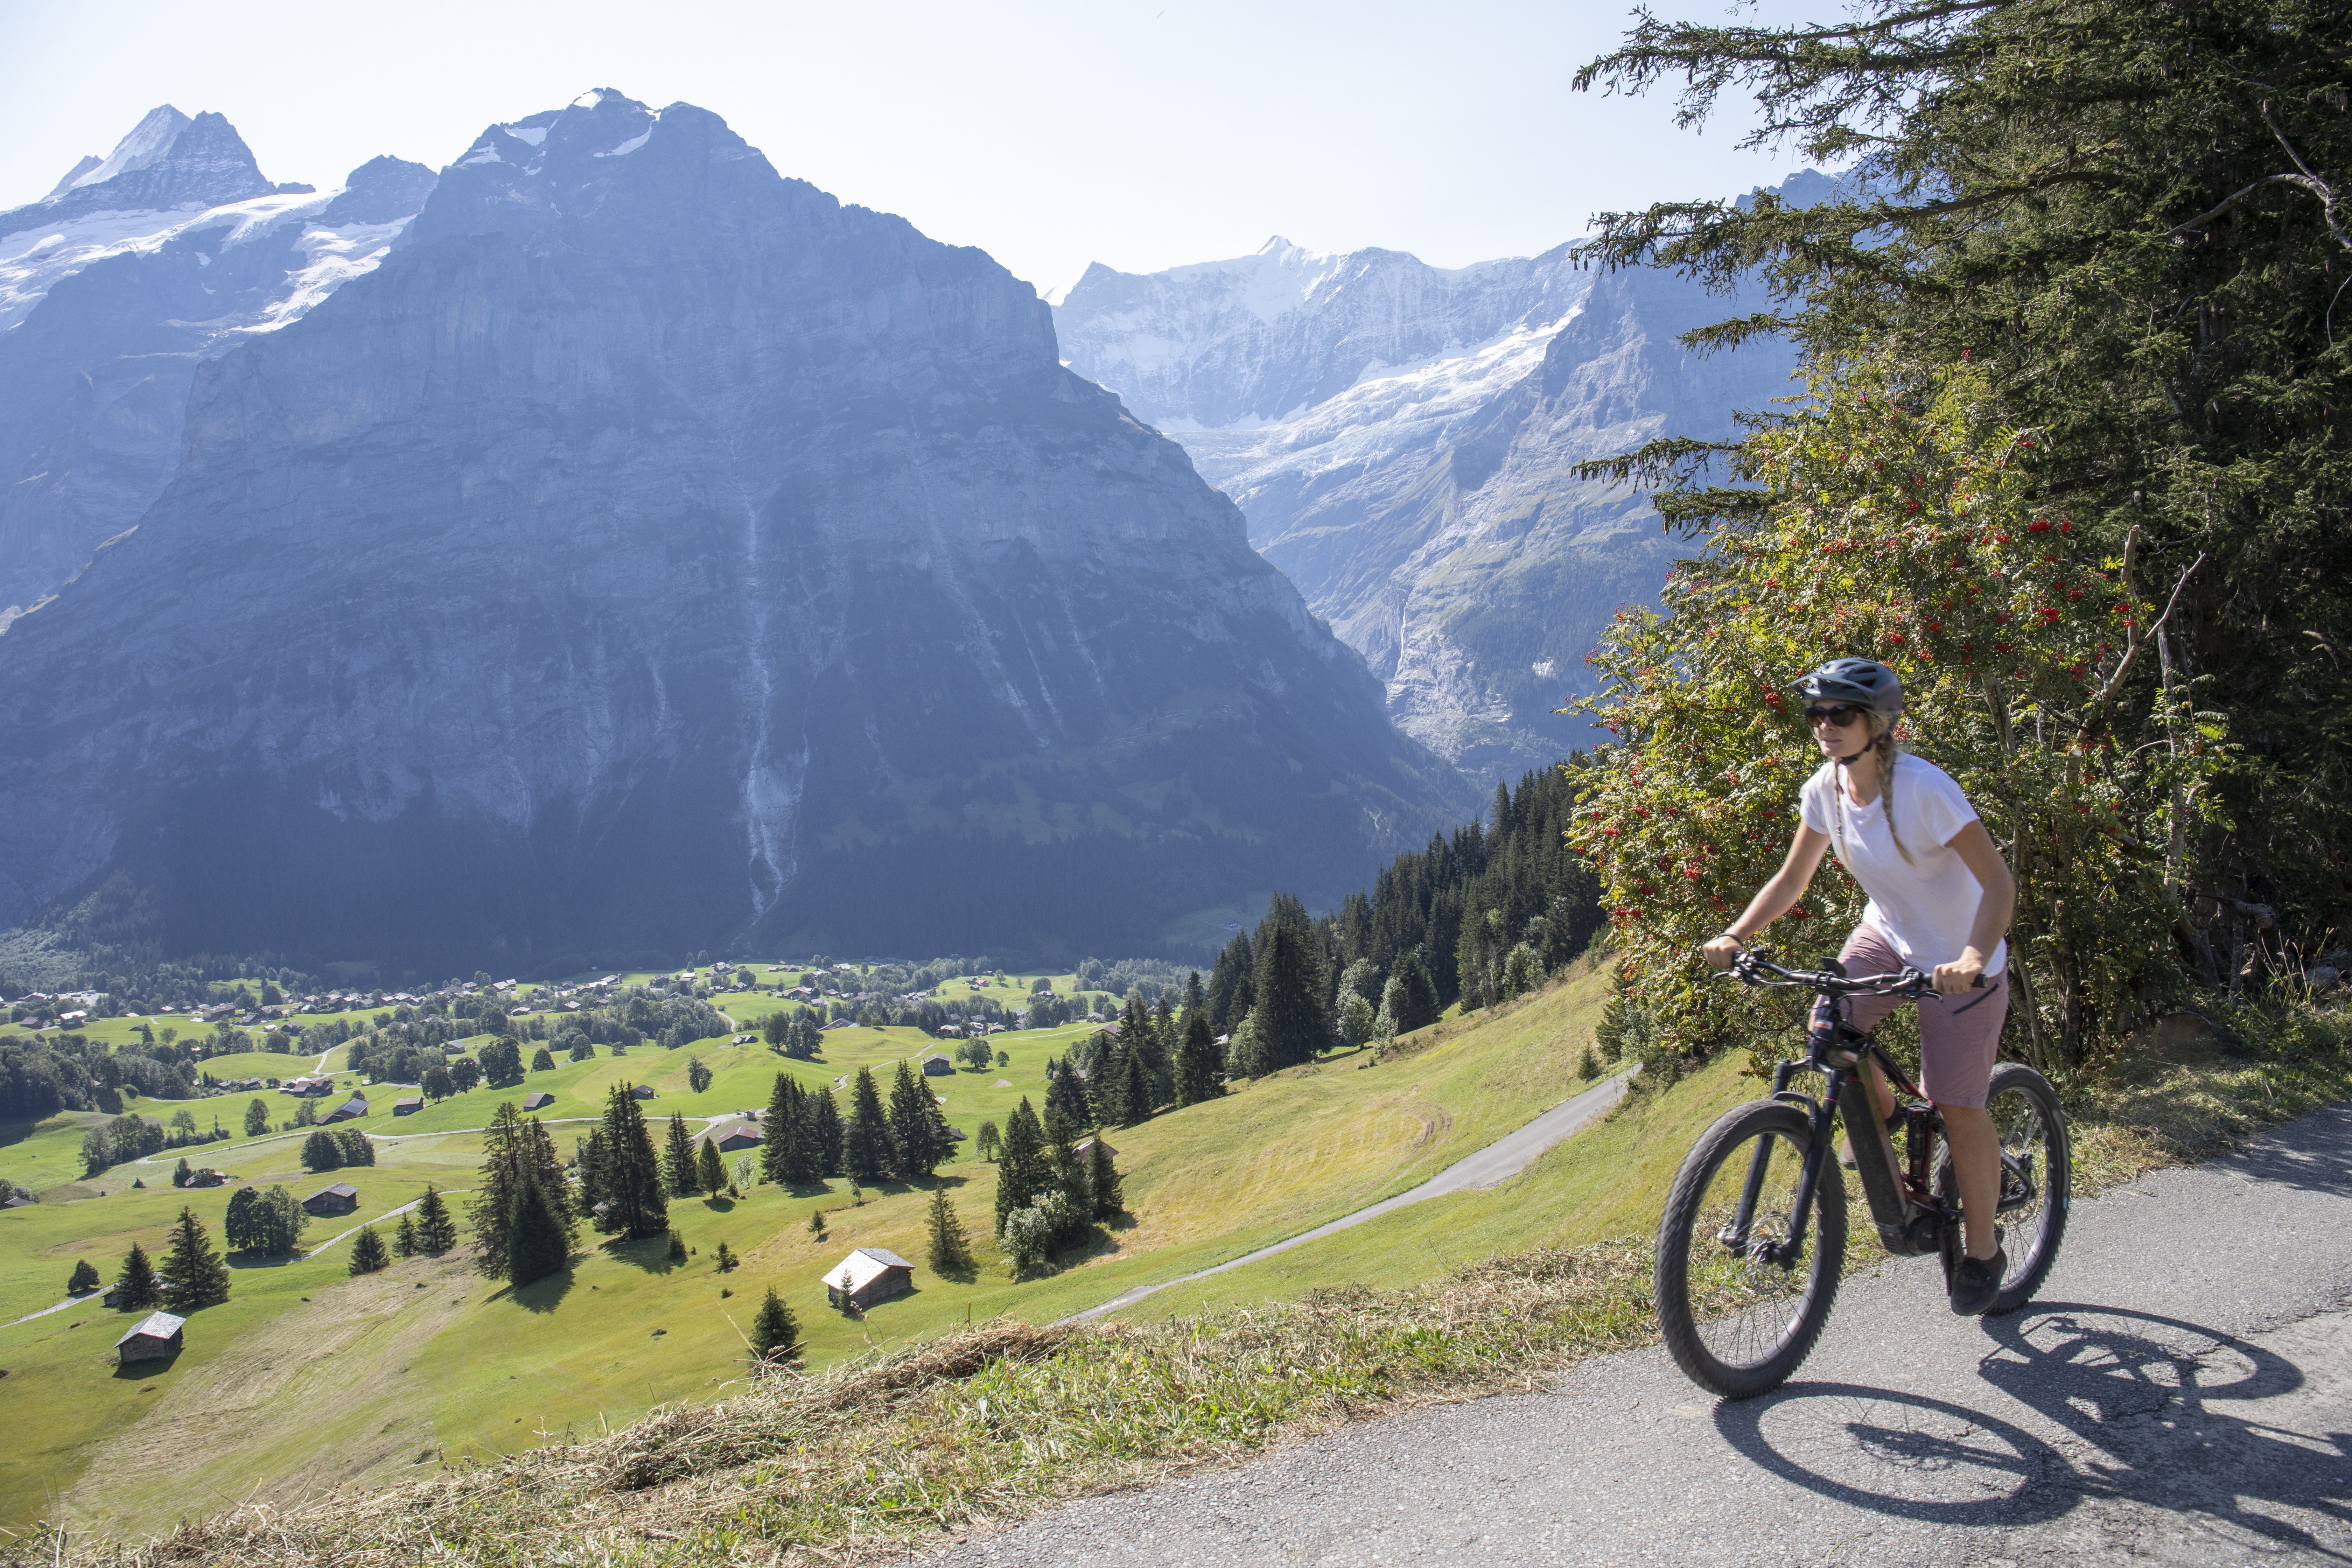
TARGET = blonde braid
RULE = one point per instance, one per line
(1883, 747)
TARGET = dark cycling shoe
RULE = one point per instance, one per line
(1976, 1282)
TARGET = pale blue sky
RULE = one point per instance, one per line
(1143, 135)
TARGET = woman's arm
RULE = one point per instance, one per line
(1777, 897)
(1975, 848)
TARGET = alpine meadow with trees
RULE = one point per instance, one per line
(2067, 455)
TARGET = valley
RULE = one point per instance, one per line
(428, 1362)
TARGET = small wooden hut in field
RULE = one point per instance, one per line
(866, 1275)
(154, 1337)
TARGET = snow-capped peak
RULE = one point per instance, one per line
(148, 142)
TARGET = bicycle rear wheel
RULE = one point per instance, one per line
(2036, 1165)
(1738, 1317)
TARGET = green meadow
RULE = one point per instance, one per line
(429, 1363)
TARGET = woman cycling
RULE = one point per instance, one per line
(1941, 900)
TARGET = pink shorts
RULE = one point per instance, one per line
(1959, 1036)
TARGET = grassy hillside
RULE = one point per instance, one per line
(428, 1362)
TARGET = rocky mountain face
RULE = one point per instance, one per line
(134, 270)
(1238, 344)
(650, 551)
(1421, 496)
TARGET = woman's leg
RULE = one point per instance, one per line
(1959, 1035)
(1976, 1162)
(1867, 951)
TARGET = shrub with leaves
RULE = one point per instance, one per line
(1893, 519)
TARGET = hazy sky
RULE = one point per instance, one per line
(1142, 136)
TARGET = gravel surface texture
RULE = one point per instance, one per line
(2181, 1394)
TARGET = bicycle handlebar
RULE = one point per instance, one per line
(1750, 970)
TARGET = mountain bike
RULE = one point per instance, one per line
(1753, 1237)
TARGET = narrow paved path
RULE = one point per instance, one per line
(61, 1306)
(1490, 1167)
(2179, 1394)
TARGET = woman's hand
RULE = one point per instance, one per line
(1723, 949)
(1961, 973)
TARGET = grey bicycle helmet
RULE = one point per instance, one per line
(1865, 682)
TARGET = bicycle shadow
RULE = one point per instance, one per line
(2157, 1412)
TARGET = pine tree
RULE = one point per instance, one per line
(1065, 1089)
(181, 1174)
(914, 1143)
(85, 1279)
(1106, 1090)
(1066, 1170)
(404, 1240)
(832, 1131)
(1135, 1089)
(539, 1242)
(1230, 985)
(679, 1167)
(1021, 1170)
(788, 1154)
(437, 1230)
(1103, 1181)
(635, 1205)
(867, 1146)
(137, 1288)
(368, 1254)
(951, 1249)
(1199, 1066)
(192, 1274)
(593, 1164)
(1291, 1023)
(774, 1330)
(677, 1253)
(711, 1169)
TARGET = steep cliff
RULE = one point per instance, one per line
(653, 551)
(1424, 504)
(113, 291)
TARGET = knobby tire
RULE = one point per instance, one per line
(1737, 1326)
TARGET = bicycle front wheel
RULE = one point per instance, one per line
(1742, 1309)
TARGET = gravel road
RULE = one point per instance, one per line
(2182, 1394)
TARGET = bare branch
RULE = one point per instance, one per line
(2097, 711)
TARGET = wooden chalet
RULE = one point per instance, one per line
(156, 1337)
(866, 1275)
(337, 1197)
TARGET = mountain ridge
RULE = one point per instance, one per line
(1427, 508)
(653, 548)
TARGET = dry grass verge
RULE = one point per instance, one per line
(990, 1425)
(982, 1426)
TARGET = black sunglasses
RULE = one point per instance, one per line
(1842, 716)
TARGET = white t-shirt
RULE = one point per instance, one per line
(1924, 905)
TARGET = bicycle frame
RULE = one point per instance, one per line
(1910, 1219)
